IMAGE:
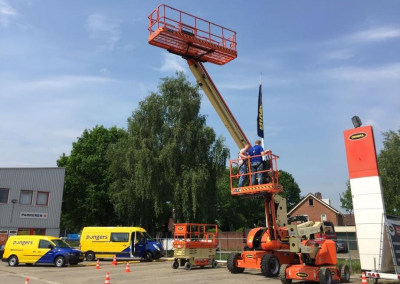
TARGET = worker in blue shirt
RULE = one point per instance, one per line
(256, 162)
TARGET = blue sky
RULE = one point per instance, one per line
(70, 65)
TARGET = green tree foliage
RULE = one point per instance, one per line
(291, 190)
(87, 180)
(346, 199)
(235, 212)
(389, 168)
(170, 160)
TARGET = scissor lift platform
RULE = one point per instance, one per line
(195, 245)
(190, 36)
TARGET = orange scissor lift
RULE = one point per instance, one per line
(199, 41)
(195, 245)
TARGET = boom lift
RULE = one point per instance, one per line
(317, 260)
(199, 41)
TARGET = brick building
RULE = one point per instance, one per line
(317, 209)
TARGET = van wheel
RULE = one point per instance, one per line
(60, 261)
(90, 256)
(148, 256)
(13, 260)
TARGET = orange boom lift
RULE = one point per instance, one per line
(199, 41)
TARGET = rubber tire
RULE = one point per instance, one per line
(270, 265)
(13, 260)
(148, 256)
(90, 256)
(231, 263)
(282, 274)
(344, 273)
(188, 266)
(175, 265)
(325, 276)
(59, 261)
(214, 264)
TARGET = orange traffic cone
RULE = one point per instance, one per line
(97, 264)
(114, 262)
(363, 278)
(127, 269)
(27, 281)
(107, 278)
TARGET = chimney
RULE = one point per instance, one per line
(318, 195)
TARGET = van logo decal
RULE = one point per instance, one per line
(97, 237)
(301, 274)
(357, 136)
(22, 243)
(249, 256)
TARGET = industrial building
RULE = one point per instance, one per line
(30, 201)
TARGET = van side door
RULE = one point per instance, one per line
(140, 245)
(119, 244)
(45, 252)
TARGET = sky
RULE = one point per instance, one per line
(66, 66)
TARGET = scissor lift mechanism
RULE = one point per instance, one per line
(195, 245)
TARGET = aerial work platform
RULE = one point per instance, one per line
(190, 36)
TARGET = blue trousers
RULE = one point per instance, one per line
(256, 167)
(242, 170)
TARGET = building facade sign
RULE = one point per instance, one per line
(33, 215)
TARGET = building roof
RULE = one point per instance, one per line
(317, 199)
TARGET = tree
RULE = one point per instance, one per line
(291, 190)
(87, 181)
(346, 199)
(170, 160)
(389, 168)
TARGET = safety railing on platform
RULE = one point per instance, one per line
(176, 20)
(269, 171)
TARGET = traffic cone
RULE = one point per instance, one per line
(127, 269)
(27, 281)
(363, 278)
(97, 264)
(114, 262)
(107, 281)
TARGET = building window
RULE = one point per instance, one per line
(323, 217)
(26, 197)
(42, 198)
(4, 195)
(311, 202)
(119, 237)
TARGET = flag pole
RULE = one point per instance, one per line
(262, 139)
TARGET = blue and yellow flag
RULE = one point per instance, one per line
(260, 121)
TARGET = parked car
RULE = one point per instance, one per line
(341, 246)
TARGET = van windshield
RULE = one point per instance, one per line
(60, 244)
(148, 237)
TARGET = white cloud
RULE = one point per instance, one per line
(104, 29)
(388, 72)
(104, 71)
(6, 13)
(374, 34)
(128, 47)
(172, 62)
(339, 54)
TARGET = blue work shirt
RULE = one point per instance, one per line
(255, 151)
